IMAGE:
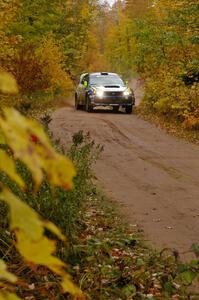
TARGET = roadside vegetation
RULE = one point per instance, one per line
(107, 258)
(44, 45)
(159, 41)
(113, 262)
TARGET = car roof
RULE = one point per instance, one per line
(103, 73)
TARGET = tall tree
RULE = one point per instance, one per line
(136, 8)
(159, 40)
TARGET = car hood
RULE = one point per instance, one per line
(115, 88)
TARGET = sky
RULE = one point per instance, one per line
(110, 1)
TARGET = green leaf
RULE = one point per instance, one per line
(195, 249)
(188, 276)
(168, 288)
(140, 262)
(183, 267)
(129, 290)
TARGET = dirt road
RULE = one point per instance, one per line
(155, 176)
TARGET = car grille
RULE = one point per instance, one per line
(112, 94)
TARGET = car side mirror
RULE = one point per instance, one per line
(85, 84)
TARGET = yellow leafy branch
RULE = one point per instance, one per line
(30, 144)
(6, 275)
(31, 242)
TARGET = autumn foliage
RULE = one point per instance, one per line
(43, 44)
(159, 41)
(26, 141)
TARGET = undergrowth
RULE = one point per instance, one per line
(113, 263)
(59, 206)
(172, 125)
(40, 103)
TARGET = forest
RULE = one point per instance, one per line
(47, 193)
(47, 46)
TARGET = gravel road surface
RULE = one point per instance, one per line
(154, 175)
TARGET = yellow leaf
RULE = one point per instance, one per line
(38, 252)
(22, 216)
(7, 165)
(4, 274)
(25, 218)
(70, 287)
(60, 171)
(37, 154)
(8, 296)
(53, 228)
(16, 133)
(2, 138)
(8, 84)
(31, 242)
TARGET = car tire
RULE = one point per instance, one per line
(116, 109)
(129, 109)
(89, 107)
(77, 106)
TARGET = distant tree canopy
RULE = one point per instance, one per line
(43, 43)
(47, 44)
(159, 40)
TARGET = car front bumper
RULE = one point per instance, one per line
(112, 101)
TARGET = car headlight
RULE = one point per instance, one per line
(127, 92)
(100, 93)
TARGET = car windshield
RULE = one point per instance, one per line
(102, 80)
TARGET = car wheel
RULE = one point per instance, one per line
(77, 106)
(116, 109)
(89, 107)
(129, 109)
